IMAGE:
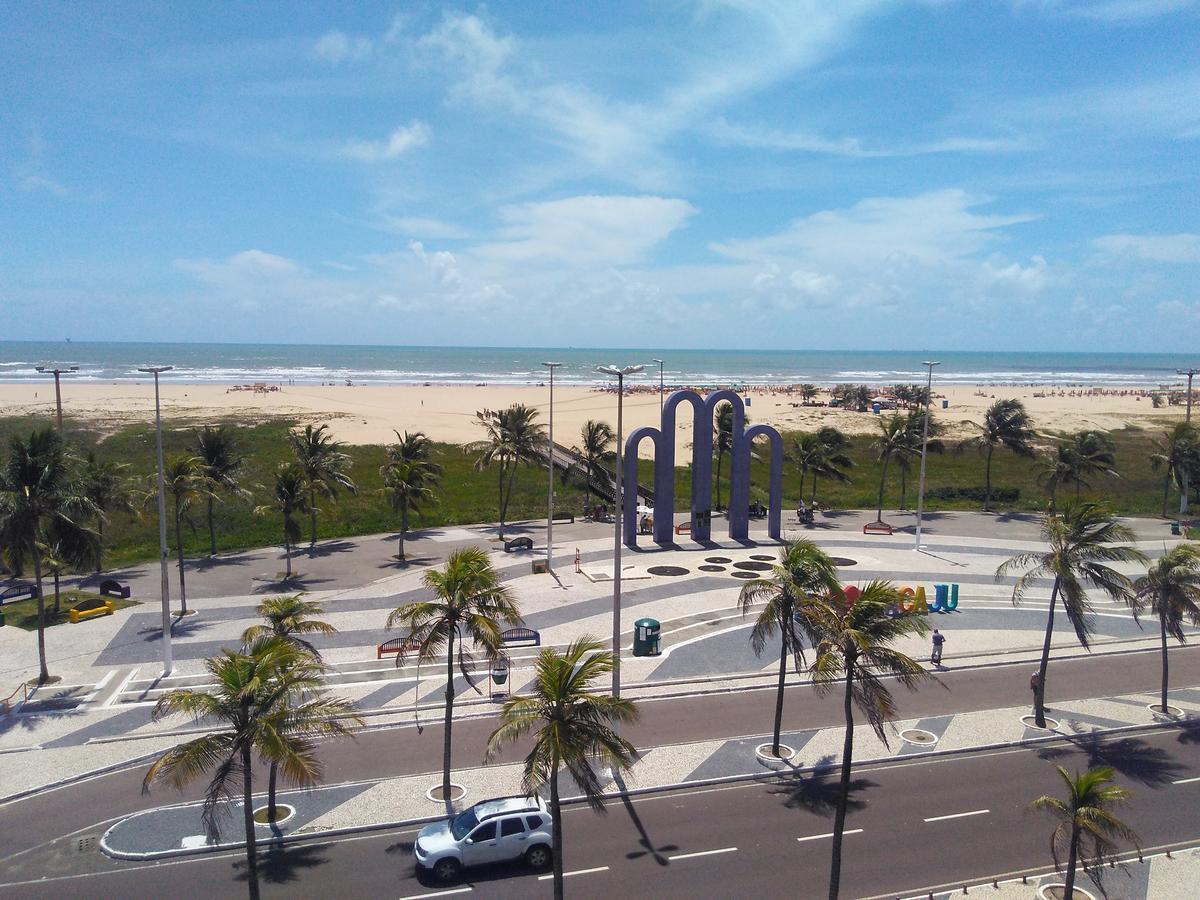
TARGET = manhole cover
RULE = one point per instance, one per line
(712, 568)
(752, 566)
(673, 571)
(717, 559)
(743, 574)
(844, 561)
(763, 557)
(84, 844)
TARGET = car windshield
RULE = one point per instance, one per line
(461, 825)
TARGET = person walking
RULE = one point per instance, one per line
(938, 640)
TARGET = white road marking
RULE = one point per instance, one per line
(962, 815)
(1185, 780)
(461, 890)
(817, 837)
(121, 689)
(568, 874)
(702, 853)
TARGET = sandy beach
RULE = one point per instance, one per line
(368, 414)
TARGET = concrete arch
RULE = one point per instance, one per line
(630, 475)
(775, 483)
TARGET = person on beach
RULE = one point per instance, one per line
(938, 640)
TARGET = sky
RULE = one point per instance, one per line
(866, 174)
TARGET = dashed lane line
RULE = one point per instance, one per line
(817, 837)
(568, 874)
(1185, 780)
(961, 815)
(678, 856)
(461, 890)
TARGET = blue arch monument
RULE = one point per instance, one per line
(663, 438)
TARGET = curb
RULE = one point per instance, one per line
(766, 775)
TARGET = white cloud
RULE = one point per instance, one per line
(402, 139)
(418, 226)
(42, 183)
(1123, 10)
(337, 47)
(774, 139)
(1174, 248)
(589, 230)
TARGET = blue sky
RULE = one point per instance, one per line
(981, 174)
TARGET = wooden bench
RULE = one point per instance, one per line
(518, 543)
(399, 646)
(18, 592)
(90, 609)
(683, 528)
(877, 528)
(112, 588)
(564, 517)
(524, 636)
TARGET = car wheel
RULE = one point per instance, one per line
(447, 870)
(539, 857)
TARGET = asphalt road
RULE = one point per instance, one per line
(757, 839)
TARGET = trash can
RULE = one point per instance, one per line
(540, 567)
(876, 407)
(945, 404)
(941, 595)
(647, 634)
(1, 618)
(1174, 528)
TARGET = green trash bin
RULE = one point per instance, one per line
(647, 634)
(1174, 528)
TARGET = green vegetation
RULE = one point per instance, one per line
(24, 613)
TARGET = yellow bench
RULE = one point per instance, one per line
(89, 609)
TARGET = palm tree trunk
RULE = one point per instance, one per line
(720, 462)
(403, 527)
(212, 531)
(803, 476)
(287, 553)
(1162, 627)
(271, 811)
(987, 481)
(57, 595)
(100, 541)
(783, 654)
(312, 517)
(903, 488)
(1072, 855)
(500, 500)
(248, 817)
(556, 814)
(839, 821)
(449, 722)
(179, 548)
(1166, 491)
(43, 669)
(882, 483)
(812, 501)
(1039, 693)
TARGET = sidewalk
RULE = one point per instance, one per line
(176, 830)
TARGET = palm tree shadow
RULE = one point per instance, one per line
(1189, 732)
(328, 548)
(819, 793)
(1132, 757)
(644, 840)
(285, 864)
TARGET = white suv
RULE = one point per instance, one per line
(491, 831)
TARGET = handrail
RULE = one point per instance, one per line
(6, 703)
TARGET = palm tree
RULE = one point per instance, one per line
(852, 641)
(270, 701)
(1179, 454)
(723, 442)
(287, 618)
(324, 465)
(892, 439)
(804, 570)
(1171, 588)
(574, 727)
(808, 391)
(595, 438)
(289, 498)
(1005, 424)
(1085, 815)
(217, 450)
(832, 461)
(468, 602)
(808, 455)
(1057, 469)
(513, 439)
(409, 478)
(1080, 540)
(186, 484)
(1093, 453)
(108, 490)
(40, 505)
(912, 444)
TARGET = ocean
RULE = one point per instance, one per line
(317, 364)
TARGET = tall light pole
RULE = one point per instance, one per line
(620, 372)
(660, 385)
(57, 371)
(924, 446)
(550, 467)
(168, 664)
(1183, 496)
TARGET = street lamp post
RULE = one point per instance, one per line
(168, 665)
(57, 371)
(1183, 496)
(924, 446)
(550, 467)
(620, 372)
(660, 384)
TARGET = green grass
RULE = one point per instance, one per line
(24, 613)
(469, 496)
